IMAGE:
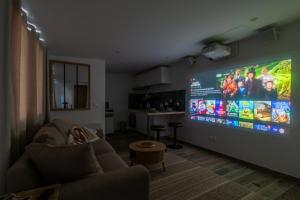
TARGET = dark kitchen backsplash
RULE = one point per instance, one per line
(159, 101)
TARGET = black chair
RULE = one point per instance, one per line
(158, 129)
(175, 125)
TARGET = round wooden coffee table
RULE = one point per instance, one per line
(147, 152)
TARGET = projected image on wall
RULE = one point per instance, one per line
(253, 97)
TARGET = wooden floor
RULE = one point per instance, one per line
(194, 173)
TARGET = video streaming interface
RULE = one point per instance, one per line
(253, 97)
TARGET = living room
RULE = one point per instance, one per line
(152, 100)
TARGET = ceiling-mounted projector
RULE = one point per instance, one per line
(215, 51)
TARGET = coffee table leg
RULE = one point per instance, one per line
(163, 166)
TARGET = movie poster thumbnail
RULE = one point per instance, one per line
(232, 109)
(281, 112)
(201, 118)
(193, 117)
(262, 110)
(210, 119)
(193, 106)
(278, 130)
(201, 107)
(220, 108)
(262, 127)
(246, 109)
(210, 107)
(220, 121)
(232, 123)
(246, 125)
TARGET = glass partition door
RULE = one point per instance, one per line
(69, 86)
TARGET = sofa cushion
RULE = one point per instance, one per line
(63, 163)
(48, 134)
(64, 126)
(101, 146)
(21, 176)
(125, 184)
(111, 161)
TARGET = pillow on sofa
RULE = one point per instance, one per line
(63, 163)
(80, 135)
(91, 134)
(77, 136)
(48, 134)
(64, 126)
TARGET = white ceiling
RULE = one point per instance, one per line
(133, 35)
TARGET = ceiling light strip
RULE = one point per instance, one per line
(31, 26)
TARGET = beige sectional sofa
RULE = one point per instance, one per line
(115, 181)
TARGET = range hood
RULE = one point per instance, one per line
(156, 76)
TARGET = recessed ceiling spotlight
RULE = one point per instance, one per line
(42, 39)
(253, 19)
(38, 31)
(29, 29)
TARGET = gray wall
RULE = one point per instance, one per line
(277, 153)
(118, 86)
(97, 111)
(4, 131)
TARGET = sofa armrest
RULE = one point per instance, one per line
(128, 183)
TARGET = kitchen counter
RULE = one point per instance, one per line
(145, 118)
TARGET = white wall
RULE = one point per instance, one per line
(277, 153)
(118, 86)
(4, 88)
(97, 112)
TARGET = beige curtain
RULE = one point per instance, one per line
(28, 83)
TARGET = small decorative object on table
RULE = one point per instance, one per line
(44, 193)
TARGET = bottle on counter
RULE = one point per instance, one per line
(161, 107)
(148, 106)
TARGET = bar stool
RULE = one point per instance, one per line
(175, 125)
(158, 129)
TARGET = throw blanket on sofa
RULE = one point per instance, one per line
(80, 135)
